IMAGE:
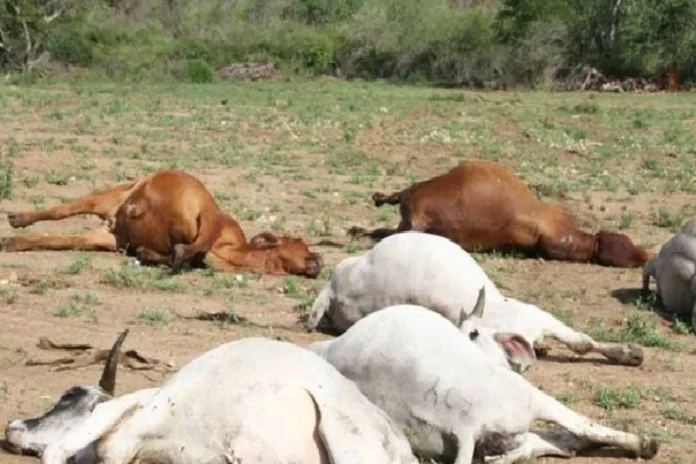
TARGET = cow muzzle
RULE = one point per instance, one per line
(314, 264)
(14, 438)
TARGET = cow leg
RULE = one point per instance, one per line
(150, 257)
(533, 446)
(405, 224)
(549, 409)
(465, 447)
(94, 240)
(578, 342)
(103, 204)
(573, 247)
(648, 271)
(236, 261)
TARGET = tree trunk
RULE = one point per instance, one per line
(673, 78)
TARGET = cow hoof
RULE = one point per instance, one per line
(635, 355)
(356, 231)
(16, 220)
(648, 448)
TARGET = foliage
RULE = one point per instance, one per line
(529, 42)
(199, 71)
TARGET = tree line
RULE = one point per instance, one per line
(457, 42)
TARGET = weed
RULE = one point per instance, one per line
(80, 262)
(627, 398)
(154, 317)
(6, 176)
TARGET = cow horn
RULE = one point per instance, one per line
(108, 378)
(480, 303)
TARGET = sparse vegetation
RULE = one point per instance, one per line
(303, 157)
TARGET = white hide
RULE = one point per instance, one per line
(432, 271)
(449, 398)
(252, 400)
(674, 271)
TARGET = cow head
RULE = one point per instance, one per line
(617, 250)
(288, 254)
(503, 348)
(31, 436)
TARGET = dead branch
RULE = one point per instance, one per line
(53, 17)
(83, 355)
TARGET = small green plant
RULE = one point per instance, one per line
(154, 317)
(639, 328)
(199, 71)
(125, 277)
(680, 327)
(76, 305)
(80, 262)
(627, 398)
(8, 296)
(6, 175)
(665, 218)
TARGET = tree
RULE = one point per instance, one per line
(661, 33)
(23, 27)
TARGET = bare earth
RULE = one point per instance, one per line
(305, 158)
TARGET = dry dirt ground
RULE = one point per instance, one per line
(304, 157)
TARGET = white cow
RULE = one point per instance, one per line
(251, 400)
(451, 399)
(674, 271)
(432, 271)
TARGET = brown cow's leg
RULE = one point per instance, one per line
(102, 204)
(184, 253)
(384, 232)
(239, 261)
(375, 234)
(150, 257)
(572, 247)
(94, 240)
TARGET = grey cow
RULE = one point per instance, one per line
(674, 271)
(452, 399)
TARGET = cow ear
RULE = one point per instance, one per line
(264, 240)
(518, 350)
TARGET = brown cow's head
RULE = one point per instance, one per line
(617, 250)
(288, 254)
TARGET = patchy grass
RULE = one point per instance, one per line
(303, 158)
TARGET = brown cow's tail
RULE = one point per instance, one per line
(380, 199)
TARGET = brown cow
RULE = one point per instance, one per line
(169, 218)
(483, 206)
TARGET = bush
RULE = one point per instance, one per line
(200, 72)
(71, 47)
(308, 48)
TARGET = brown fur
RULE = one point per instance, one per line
(483, 206)
(169, 218)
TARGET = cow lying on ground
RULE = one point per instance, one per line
(451, 400)
(483, 206)
(674, 271)
(432, 271)
(168, 218)
(251, 400)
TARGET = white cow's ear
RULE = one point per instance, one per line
(517, 349)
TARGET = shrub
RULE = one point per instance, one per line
(199, 72)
